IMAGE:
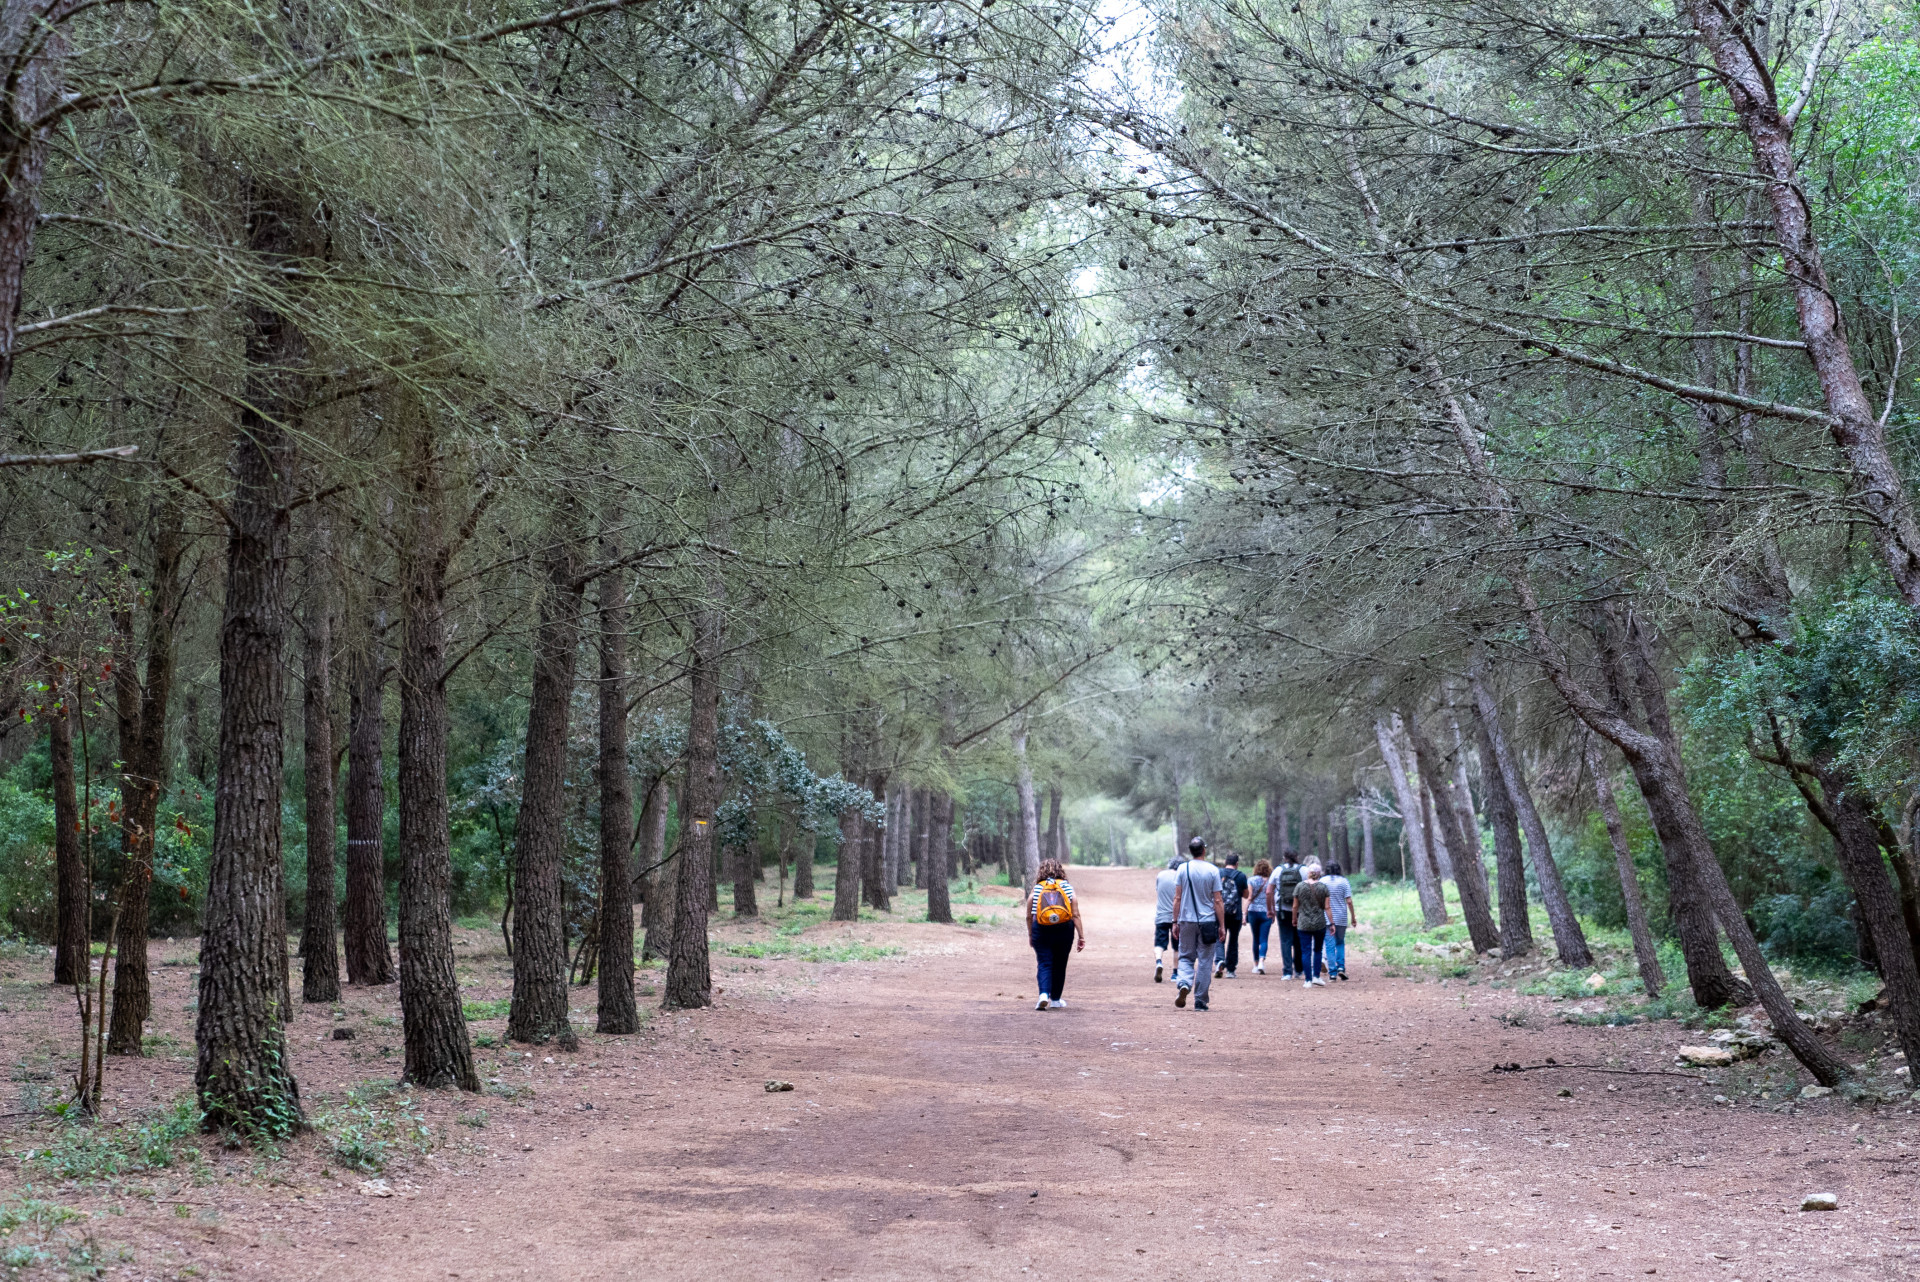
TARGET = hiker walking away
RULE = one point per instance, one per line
(1055, 930)
(1259, 913)
(1310, 924)
(1163, 916)
(1199, 912)
(1286, 879)
(1341, 913)
(1233, 890)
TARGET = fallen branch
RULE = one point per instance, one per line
(1594, 1068)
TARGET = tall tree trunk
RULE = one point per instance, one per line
(1276, 824)
(1878, 483)
(1407, 795)
(439, 1052)
(33, 46)
(1029, 811)
(364, 923)
(803, 864)
(1050, 843)
(617, 1014)
(745, 860)
(1469, 873)
(1516, 932)
(846, 877)
(73, 949)
(870, 880)
(1568, 939)
(143, 707)
(893, 847)
(1652, 978)
(319, 951)
(1367, 860)
(655, 879)
(689, 968)
(538, 1010)
(917, 811)
(939, 859)
(243, 1075)
(1342, 840)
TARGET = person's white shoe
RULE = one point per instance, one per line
(1042, 1004)
(1259, 970)
(1306, 983)
(1059, 1003)
(1159, 970)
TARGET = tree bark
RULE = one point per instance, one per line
(439, 1052)
(803, 865)
(369, 960)
(689, 968)
(242, 1074)
(142, 710)
(1516, 932)
(1275, 822)
(538, 1010)
(846, 878)
(1029, 812)
(1407, 795)
(655, 878)
(871, 882)
(33, 46)
(1568, 938)
(1469, 873)
(916, 812)
(1366, 840)
(73, 949)
(1878, 483)
(939, 860)
(1652, 978)
(319, 951)
(617, 1013)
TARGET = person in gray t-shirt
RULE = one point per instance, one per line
(1163, 887)
(1200, 913)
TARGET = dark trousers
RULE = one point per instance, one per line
(1230, 943)
(1311, 942)
(1289, 945)
(1051, 946)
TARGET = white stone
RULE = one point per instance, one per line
(1815, 1092)
(1821, 1202)
(1706, 1056)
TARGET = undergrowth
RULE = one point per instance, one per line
(95, 1152)
(372, 1125)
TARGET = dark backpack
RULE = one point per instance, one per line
(1286, 880)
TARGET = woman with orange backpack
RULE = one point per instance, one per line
(1053, 927)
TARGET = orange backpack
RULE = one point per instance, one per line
(1050, 906)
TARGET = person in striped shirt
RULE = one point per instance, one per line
(1054, 929)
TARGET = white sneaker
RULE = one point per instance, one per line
(1319, 983)
(1059, 1003)
(1306, 983)
(1159, 970)
(1042, 1004)
(1259, 970)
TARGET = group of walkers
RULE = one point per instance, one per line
(1199, 911)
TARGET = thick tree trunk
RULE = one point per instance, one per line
(73, 948)
(617, 1014)
(1509, 862)
(1367, 860)
(917, 812)
(1050, 843)
(1469, 873)
(745, 860)
(143, 707)
(319, 951)
(872, 884)
(439, 1052)
(538, 1010)
(1568, 939)
(1407, 795)
(369, 960)
(243, 1075)
(846, 877)
(33, 46)
(689, 968)
(1276, 841)
(1029, 812)
(1342, 838)
(1652, 978)
(939, 859)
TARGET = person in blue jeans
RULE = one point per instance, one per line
(1259, 916)
(1341, 913)
(1310, 924)
(1286, 879)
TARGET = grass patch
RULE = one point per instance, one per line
(92, 1152)
(33, 1235)
(787, 948)
(486, 1010)
(372, 1126)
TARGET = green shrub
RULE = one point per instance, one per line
(92, 1151)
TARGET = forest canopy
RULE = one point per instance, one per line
(554, 462)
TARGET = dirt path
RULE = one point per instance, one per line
(940, 1127)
